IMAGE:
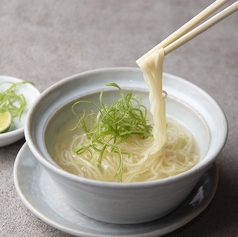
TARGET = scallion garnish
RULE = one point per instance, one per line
(12, 102)
(112, 124)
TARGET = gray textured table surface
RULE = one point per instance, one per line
(45, 41)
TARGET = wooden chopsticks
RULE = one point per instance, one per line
(179, 37)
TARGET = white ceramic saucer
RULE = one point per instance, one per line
(42, 197)
(16, 131)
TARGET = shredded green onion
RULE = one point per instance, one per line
(112, 125)
(12, 102)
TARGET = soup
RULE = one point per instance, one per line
(179, 154)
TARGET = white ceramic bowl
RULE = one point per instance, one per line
(16, 131)
(118, 202)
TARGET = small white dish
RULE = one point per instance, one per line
(42, 197)
(16, 131)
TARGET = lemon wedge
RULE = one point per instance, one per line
(5, 121)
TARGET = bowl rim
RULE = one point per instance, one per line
(161, 182)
